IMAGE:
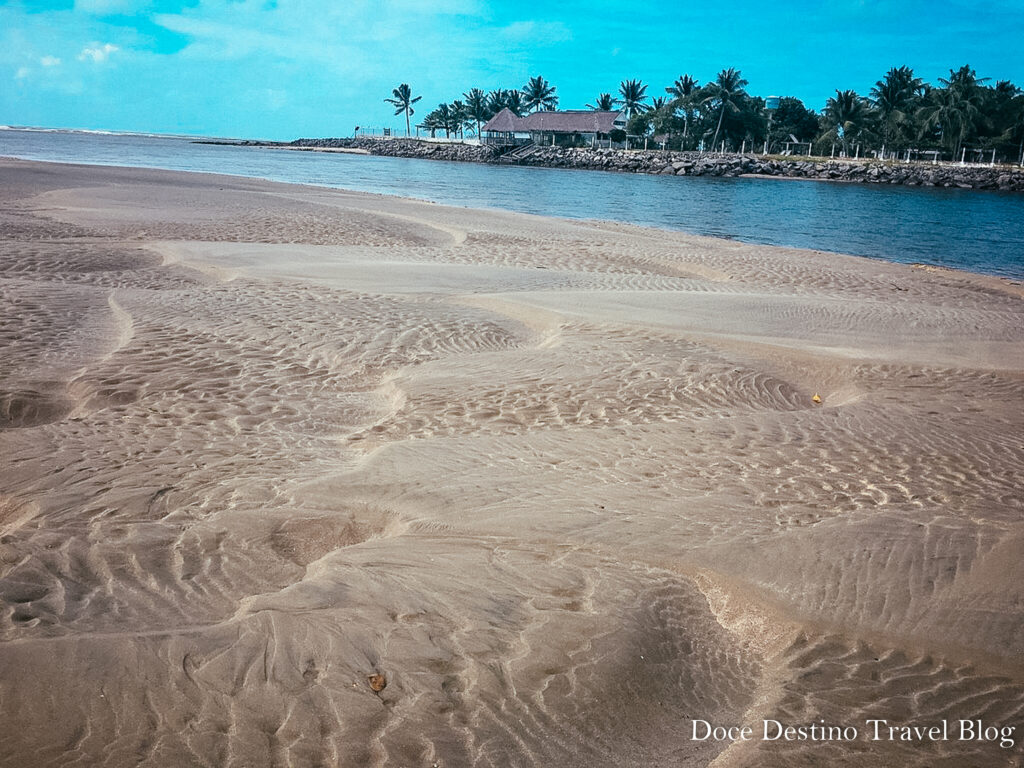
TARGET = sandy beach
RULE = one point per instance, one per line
(293, 476)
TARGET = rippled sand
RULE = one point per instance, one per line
(561, 485)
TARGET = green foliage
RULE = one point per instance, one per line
(500, 99)
(686, 95)
(639, 124)
(476, 107)
(402, 100)
(633, 94)
(725, 94)
(848, 118)
(901, 112)
(896, 98)
(538, 94)
(792, 118)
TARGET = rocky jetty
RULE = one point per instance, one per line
(696, 164)
(428, 150)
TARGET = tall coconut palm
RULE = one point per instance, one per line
(848, 114)
(965, 80)
(633, 94)
(952, 114)
(514, 103)
(725, 94)
(460, 117)
(403, 101)
(684, 92)
(683, 88)
(432, 122)
(603, 103)
(496, 101)
(443, 118)
(896, 97)
(539, 94)
(476, 107)
(500, 99)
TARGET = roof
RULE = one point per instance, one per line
(569, 121)
(504, 122)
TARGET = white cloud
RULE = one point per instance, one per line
(50, 61)
(98, 53)
(537, 32)
(22, 73)
(108, 7)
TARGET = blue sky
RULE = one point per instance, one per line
(286, 68)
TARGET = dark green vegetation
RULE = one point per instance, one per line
(962, 117)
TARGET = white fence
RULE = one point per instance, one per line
(417, 133)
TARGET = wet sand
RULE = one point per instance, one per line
(559, 487)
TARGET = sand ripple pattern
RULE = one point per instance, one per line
(561, 485)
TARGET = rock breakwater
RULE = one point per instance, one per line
(695, 163)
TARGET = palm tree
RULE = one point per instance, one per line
(514, 103)
(496, 101)
(955, 109)
(951, 114)
(432, 122)
(848, 114)
(895, 96)
(500, 99)
(443, 118)
(459, 117)
(683, 88)
(965, 80)
(538, 93)
(476, 107)
(634, 94)
(603, 103)
(726, 92)
(683, 92)
(403, 101)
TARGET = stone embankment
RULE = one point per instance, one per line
(696, 164)
(429, 150)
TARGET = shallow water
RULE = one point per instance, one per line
(978, 231)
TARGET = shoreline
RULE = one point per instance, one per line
(1007, 280)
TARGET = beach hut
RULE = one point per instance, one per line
(574, 127)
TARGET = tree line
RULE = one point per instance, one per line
(901, 113)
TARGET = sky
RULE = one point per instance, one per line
(282, 69)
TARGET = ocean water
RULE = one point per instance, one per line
(963, 229)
